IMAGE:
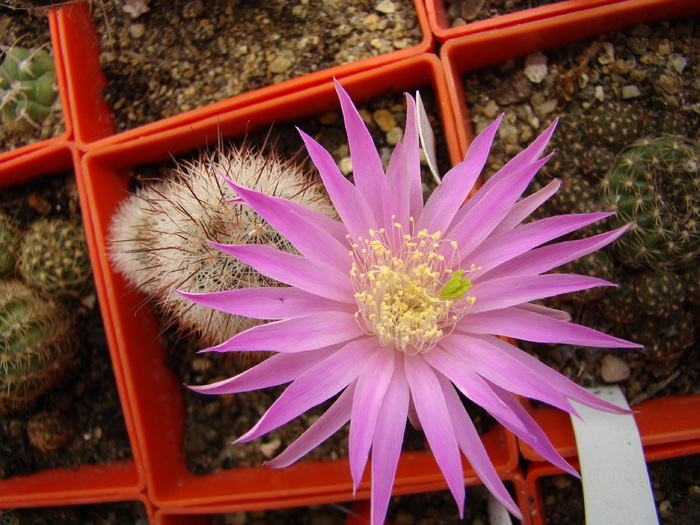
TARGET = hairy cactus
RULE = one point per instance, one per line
(36, 342)
(159, 236)
(9, 246)
(28, 89)
(54, 257)
(49, 431)
(655, 184)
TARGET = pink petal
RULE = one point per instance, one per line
(313, 387)
(273, 371)
(494, 294)
(488, 207)
(509, 367)
(498, 402)
(560, 315)
(306, 236)
(429, 399)
(500, 248)
(294, 335)
(351, 205)
(405, 193)
(471, 445)
(531, 153)
(523, 208)
(551, 256)
(367, 169)
(388, 439)
(449, 196)
(324, 427)
(529, 326)
(277, 302)
(313, 276)
(369, 392)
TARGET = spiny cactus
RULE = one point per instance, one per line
(28, 88)
(159, 236)
(655, 184)
(9, 246)
(54, 257)
(614, 124)
(37, 341)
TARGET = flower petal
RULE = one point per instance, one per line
(429, 400)
(312, 276)
(524, 207)
(351, 205)
(324, 427)
(298, 334)
(471, 445)
(313, 387)
(388, 439)
(548, 257)
(275, 370)
(449, 196)
(530, 326)
(369, 392)
(306, 236)
(367, 169)
(509, 367)
(488, 207)
(500, 248)
(276, 302)
(494, 294)
(405, 192)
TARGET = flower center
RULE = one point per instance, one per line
(408, 296)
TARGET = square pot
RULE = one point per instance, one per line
(59, 65)
(87, 483)
(443, 30)
(670, 420)
(156, 395)
(537, 472)
(91, 115)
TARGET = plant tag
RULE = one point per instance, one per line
(498, 514)
(616, 485)
(427, 138)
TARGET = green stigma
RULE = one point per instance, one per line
(456, 287)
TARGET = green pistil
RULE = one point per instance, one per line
(456, 287)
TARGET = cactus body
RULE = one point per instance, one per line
(9, 246)
(656, 184)
(160, 235)
(36, 342)
(28, 88)
(54, 257)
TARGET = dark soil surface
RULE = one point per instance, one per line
(126, 513)
(461, 12)
(184, 54)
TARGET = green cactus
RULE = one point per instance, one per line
(614, 124)
(28, 88)
(54, 257)
(9, 246)
(37, 341)
(656, 184)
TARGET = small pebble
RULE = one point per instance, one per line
(384, 119)
(630, 92)
(280, 64)
(137, 30)
(345, 165)
(394, 135)
(613, 369)
(536, 67)
(386, 7)
(679, 62)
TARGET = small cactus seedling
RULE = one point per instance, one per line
(49, 431)
(54, 257)
(37, 340)
(9, 246)
(656, 184)
(28, 88)
(160, 235)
